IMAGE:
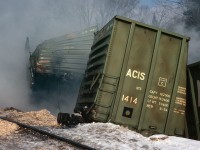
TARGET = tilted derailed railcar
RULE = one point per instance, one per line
(136, 76)
(61, 57)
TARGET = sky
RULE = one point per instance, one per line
(147, 2)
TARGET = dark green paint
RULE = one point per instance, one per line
(130, 60)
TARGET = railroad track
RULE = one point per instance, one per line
(43, 132)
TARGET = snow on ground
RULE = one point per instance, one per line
(97, 135)
(110, 136)
(105, 136)
(174, 143)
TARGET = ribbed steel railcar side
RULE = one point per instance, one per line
(136, 76)
(64, 54)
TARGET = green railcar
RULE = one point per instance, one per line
(136, 76)
(193, 101)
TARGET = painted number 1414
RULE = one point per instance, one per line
(129, 99)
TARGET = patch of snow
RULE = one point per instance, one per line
(111, 136)
(174, 143)
(97, 135)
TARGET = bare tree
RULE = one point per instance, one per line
(86, 12)
(187, 10)
(168, 13)
(101, 11)
(91, 12)
(141, 14)
(110, 8)
(192, 13)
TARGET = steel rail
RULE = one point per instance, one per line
(69, 141)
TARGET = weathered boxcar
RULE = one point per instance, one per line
(136, 76)
(193, 101)
(64, 56)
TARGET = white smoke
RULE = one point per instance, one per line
(38, 19)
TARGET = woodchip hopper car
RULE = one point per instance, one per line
(135, 76)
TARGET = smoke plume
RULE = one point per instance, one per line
(40, 20)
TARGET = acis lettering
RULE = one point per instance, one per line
(135, 74)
